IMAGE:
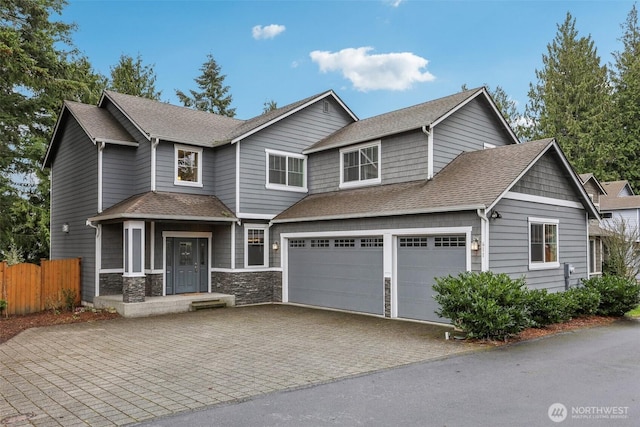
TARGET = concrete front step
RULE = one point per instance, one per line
(153, 306)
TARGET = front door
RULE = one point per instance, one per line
(187, 265)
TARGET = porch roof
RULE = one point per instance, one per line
(158, 205)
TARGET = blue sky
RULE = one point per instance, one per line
(377, 55)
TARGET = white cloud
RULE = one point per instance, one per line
(267, 32)
(390, 71)
(394, 3)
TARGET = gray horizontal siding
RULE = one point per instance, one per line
(224, 170)
(118, 173)
(74, 198)
(403, 158)
(509, 242)
(142, 164)
(468, 129)
(547, 178)
(293, 134)
(165, 170)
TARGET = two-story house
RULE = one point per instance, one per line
(308, 204)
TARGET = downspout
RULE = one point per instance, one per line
(484, 239)
(428, 131)
(101, 145)
(154, 144)
(98, 255)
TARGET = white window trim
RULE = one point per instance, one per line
(360, 183)
(543, 265)
(286, 187)
(265, 261)
(197, 150)
(488, 145)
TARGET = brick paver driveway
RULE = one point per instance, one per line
(127, 370)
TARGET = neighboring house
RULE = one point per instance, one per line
(307, 204)
(595, 190)
(621, 205)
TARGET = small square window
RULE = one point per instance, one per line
(188, 166)
(360, 166)
(543, 243)
(286, 171)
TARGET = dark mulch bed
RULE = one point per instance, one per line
(13, 325)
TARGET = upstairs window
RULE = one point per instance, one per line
(188, 166)
(286, 171)
(543, 243)
(360, 165)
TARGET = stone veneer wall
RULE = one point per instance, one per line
(249, 287)
(153, 285)
(387, 297)
(133, 289)
(110, 283)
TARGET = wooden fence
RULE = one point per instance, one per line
(29, 288)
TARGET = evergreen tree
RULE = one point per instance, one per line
(130, 77)
(625, 126)
(38, 69)
(269, 106)
(571, 101)
(214, 96)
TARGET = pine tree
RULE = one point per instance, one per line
(571, 102)
(625, 126)
(130, 77)
(214, 96)
(38, 69)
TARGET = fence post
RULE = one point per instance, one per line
(3, 287)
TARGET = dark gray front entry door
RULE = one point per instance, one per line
(187, 265)
(420, 260)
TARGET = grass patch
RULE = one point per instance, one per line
(634, 313)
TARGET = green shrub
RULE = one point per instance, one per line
(484, 305)
(617, 294)
(547, 308)
(582, 301)
(3, 305)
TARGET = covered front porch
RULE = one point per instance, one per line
(153, 306)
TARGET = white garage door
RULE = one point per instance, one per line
(344, 273)
(420, 260)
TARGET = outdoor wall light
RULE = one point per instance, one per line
(496, 215)
(475, 244)
(65, 227)
(275, 246)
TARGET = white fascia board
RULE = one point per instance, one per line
(267, 217)
(543, 200)
(117, 142)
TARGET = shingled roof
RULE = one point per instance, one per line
(394, 122)
(614, 188)
(608, 203)
(473, 180)
(171, 206)
(169, 122)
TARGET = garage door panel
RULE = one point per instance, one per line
(347, 278)
(417, 268)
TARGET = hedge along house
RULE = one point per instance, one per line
(307, 204)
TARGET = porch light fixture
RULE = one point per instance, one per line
(475, 244)
(496, 215)
(275, 246)
(65, 227)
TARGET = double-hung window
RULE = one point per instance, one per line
(543, 243)
(286, 171)
(256, 243)
(360, 165)
(188, 166)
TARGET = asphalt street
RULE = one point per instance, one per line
(583, 378)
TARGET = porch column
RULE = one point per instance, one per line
(133, 279)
